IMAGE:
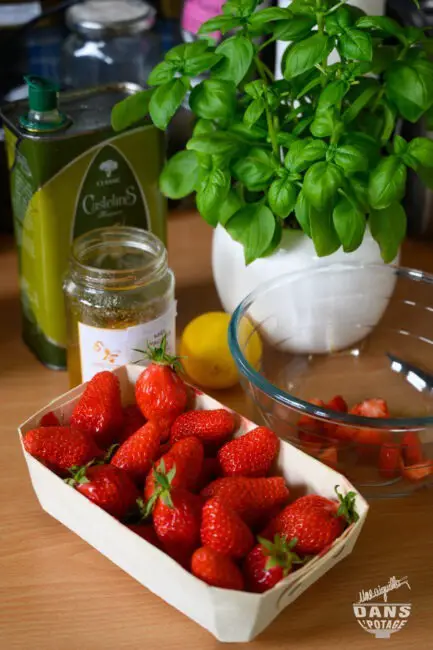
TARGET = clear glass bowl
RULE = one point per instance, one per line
(358, 331)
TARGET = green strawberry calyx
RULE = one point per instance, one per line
(79, 474)
(162, 481)
(280, 553)
(158, 354)
(347, 506)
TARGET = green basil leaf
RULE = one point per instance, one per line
(242, 8)
(387, 183)
(237, 53)
(267, 15)
(321, 184)
(381, 23)
(400, 145)
(369, 147)
(349, 223)
(308, 7)
(355, 44)
(324, 123)
(285, 139)
(255, 89)
(255, 169)
(338, 21)
(161, 73)
(313, 83)
(200, 64)
(388, 227)
(213, 99)
(166, 100)
(254, 111)
(202, 127)
(323, 233)
(302, 213)
(350, 159)
(181, 53)
(409, 85)
(180, 174)
(282, 197)
(360, 102)
(304, 152)
(220, 142)
(212, 192)
(295, 29)
(359, 186)
(413, 34)
(231, 204)
(303, 56)
(302, 126)
(389, 119)
(130, 110)
(249, 134)
(253, 226)
(219, 24)
(383, 57)
(276, 239)
(422, 150)
(332, 95)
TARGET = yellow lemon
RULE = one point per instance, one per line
(206, 354)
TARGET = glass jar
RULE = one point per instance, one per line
(110, 41)
(119, 299)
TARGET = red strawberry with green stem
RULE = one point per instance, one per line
(59, 448)
(107, 486)
(224, 531)
(160, 393)
(176, 519)
(250, 455)
(212, 427)
(137, 453)
(216, 569)
(253, 499)
(315, 521)
(269, 562)
(98, 412)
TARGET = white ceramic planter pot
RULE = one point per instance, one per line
(321, 311)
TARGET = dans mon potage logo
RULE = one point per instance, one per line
(376, 615)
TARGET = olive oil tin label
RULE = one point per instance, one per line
(70, 181)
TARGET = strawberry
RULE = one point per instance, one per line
(159, 391)
(212, 427)
(147, 532)
(137, 453)
(418, 472)
(338, 404)
(176, 519)
(269, 562)
(50, 419)
(59, 448)
(210, 471)
(390, 460)
(310, 429)
(132, 421)
(412, 448)
(224, 531)
(99, 409)
(329, 456)
(216, 569)
(180, 468)
(107, 486)
(251, 498)
(250, 455)
(314, 520)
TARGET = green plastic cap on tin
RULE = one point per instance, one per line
(43, 94)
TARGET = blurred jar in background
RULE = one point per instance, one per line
(110, 40)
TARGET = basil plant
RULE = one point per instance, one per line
(317, 149)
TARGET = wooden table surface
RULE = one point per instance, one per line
(57, 593)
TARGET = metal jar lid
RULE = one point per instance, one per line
(102, 18)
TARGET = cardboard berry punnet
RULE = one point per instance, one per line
(231, 616)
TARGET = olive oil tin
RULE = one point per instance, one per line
(70, 173)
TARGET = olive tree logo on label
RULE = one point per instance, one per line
(380, 617)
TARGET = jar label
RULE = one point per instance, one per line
(106, 349)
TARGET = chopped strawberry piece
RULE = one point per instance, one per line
(338, 404)
(50, 419)
(310, 429)
(329, 456)
(418, 472)
(412, 448)
(390, 460)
